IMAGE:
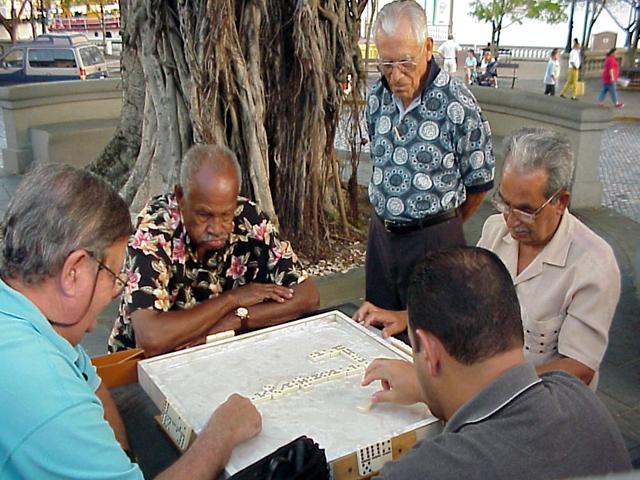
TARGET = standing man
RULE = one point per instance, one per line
(432, 161)
(449, 52)
(63, 246)
(503, 420)
(204, 260)
(575, 61)
(566, 276)
(552, 73)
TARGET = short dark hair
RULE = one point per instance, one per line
(466, 298)
(611, 52)
(58, 209)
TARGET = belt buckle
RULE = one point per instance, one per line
(387, 224)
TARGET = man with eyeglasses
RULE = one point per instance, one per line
(566, 276)
(205, 260)
(63, 240)
(432, 162)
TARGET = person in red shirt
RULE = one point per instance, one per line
(610, 73)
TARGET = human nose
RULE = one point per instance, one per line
(396, 73)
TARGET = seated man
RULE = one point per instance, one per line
(503, 421)
(58, 272)
(566, 276)
(204, 260)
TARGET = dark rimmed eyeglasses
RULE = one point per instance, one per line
(525, 217)
(120, 280)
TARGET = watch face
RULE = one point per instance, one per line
(242, 312)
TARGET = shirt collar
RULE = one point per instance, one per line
(15, 304)
(493, 398)
(557, 250)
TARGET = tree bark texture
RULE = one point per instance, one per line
(260, 76)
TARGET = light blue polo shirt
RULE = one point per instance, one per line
(52, 423)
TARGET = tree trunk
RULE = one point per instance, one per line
(260, 76)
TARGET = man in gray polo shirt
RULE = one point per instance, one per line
(502, 420)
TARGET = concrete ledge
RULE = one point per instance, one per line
(58, 143)
(45, 105)
(581, 123)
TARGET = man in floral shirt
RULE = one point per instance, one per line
(204, 260)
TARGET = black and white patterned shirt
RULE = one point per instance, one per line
(428, 156)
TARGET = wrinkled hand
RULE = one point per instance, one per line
(236, 417)
(254, 293)
(398, 380)
(392, 322)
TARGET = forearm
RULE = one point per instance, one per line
(471, 204)
(205, 459)
(159, 332)
(112, 416)
(305, 297)
(569, 365)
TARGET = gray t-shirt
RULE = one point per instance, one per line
(521, 427)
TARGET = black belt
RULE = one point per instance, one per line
(399, 227)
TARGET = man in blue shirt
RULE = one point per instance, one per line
(432, 161)
(63, 247)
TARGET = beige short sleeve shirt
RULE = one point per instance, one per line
(568, 294)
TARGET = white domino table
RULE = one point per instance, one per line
(301, 383)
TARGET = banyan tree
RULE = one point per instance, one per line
(260, 76)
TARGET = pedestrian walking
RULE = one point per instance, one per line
(572, 75)
(609, 76)
(552, 73)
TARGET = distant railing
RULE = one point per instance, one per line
(516, 52)
(83, 23)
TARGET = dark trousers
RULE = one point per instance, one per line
(549, 89)
(391, 258)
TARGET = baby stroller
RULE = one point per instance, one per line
(489, 78)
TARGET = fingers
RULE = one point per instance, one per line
(375, 371)
(245, 420)
(362, 312)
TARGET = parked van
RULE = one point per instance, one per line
(52, 58)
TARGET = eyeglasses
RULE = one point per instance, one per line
(525, 217)
(405, 66)
(120, 280)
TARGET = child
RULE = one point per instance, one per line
(552, 73)
(470, 64)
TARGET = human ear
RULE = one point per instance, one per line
(71, 272)
(563, 201)
(429, 352)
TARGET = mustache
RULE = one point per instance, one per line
(520, 230)
(209, 237)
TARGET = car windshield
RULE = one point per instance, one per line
(91, 56)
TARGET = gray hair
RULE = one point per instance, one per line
(392, 13)
(56, 210)
(530, 149)
(218, 157)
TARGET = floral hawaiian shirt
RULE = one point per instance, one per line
(165, 273)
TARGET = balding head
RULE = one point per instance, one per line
(218, 160)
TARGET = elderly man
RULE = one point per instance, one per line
(432, 161)
(566, 276)
(58, 272)
(503, 421)
(204, 260)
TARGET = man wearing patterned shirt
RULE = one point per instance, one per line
(204, 260)
(432, 161)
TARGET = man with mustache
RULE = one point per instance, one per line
(432, 161)
(566, 276)
(204, 260)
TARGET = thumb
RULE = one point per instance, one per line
(383, 396)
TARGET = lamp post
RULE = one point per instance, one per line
(567, 48)
(450, 31)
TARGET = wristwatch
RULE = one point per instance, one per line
(243, 314)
